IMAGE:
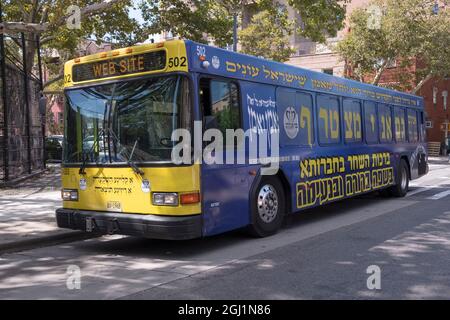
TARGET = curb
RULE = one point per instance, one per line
(14, 182)
(45, 241)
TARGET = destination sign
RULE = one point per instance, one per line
(149, 61)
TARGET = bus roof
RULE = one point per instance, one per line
(240, 66)
(237, 65)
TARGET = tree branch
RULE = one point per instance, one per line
(42, 27)
(12, 27)
(422, 82)
(89, 10)
(34, 11)
(44, 40)
(49, 82)
(380, 71)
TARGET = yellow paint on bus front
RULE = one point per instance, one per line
(128, 62)
(122, 190)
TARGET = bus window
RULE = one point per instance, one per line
(352, 121)
(422, 131)
(288, 112)
(328, 119)
(304, 102)
(412, 126)
(385, 122)
(295, 108)
(400, 128)
(370, 122)
(220, 104)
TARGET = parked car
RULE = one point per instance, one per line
(88, 143)
(53, 147)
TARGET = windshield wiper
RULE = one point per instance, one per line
(128, 155)
(131, 163)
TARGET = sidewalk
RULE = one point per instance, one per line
(438, 160)
(27, 213)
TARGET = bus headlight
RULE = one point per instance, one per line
(69, 195)
(165, 199)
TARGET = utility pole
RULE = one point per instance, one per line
(5, 103)
(27, 101)
(235, 27)
(42, 99)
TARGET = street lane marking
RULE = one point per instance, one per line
(429, 187)
(416, 191)
(439, 195)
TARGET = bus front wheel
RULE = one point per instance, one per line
(401, 181)
(268, 207)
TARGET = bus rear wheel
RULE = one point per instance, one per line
(400, 189)
(267, 208)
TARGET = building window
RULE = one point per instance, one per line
(428, 124)
(60, 118)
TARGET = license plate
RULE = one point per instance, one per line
(114, 206)
(89, 224)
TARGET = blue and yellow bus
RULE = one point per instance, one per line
(336, 139)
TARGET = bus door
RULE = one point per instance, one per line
(224, 187)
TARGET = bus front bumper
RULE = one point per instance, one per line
(141, 225)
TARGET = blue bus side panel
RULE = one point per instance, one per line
(317, 172)
(226, 195)
(239, 66)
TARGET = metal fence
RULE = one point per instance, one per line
(21, 130)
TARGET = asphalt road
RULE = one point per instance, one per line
(321, 254)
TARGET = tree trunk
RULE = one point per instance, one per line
(30, 52)
(379, 73)
(422, 82)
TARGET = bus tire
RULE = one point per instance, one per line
(400, 189)
(267, 207)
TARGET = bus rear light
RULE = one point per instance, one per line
(77, 60)
(69, 195)
(190, 198)
(128, 50)
(165, 199)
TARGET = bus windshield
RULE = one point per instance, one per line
(108, 123)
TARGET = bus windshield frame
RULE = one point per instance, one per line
(106, 123)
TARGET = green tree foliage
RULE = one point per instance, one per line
(201, 20)
(101, 22)
(190, 19)
(319, 18)
(407, 29)
(267, 35)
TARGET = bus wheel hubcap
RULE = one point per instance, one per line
(267, 203)
(404, 179)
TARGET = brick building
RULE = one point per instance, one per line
(437, 106)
